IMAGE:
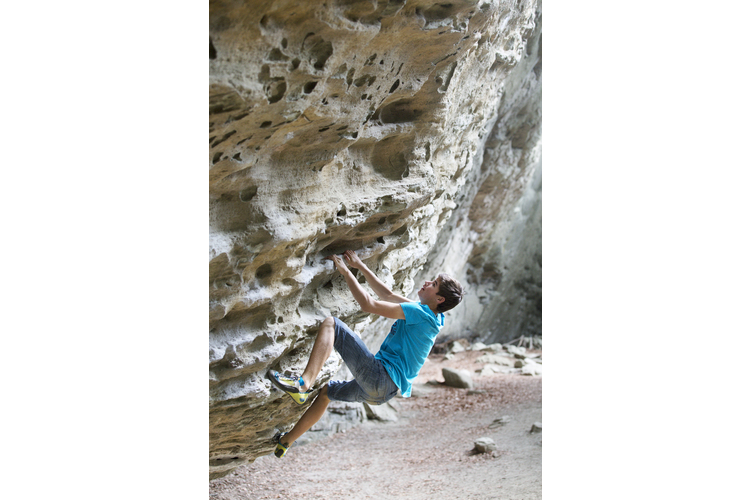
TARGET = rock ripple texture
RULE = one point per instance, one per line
(408, 131)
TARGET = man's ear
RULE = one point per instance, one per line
(440, 299)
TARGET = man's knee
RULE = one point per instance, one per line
(324, 393)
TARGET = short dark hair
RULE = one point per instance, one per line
(451, 290)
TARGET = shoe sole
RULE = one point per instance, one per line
(285, 389)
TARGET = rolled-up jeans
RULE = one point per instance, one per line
(371, 383)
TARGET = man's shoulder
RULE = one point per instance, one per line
(416, 312)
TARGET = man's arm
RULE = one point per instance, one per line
(365, 301)
(382, 291)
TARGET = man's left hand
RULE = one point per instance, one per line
(340, 264)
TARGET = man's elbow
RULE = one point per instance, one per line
(368, 307)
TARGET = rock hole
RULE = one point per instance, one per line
(295, 63)
(361, 210)
(225, 137)
(364, 96)
(249, 193)
(319, 51)
(349, 77)
(382, 220)
(361, 81)
(323, 129)
(237, 157)
(354, 135)
(382, 61)
(280, 319)
(276, 55)
(211, 49)
(381, 240)
(276, 91)
(264, 272)
(309, 87)
(264, 21)
(217, 156)
(342, 212)
(265, 124)
(238, 117)
(283, 43)
(211, 139)
(394, 86)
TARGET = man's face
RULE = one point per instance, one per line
(429, 290)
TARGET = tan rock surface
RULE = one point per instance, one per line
(408, 131)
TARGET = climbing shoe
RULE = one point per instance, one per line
(280, 450)
(290, 384)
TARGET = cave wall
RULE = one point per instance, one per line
(409, 131)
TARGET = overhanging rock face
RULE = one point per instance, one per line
(408, 131)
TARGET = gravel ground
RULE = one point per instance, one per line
(426, 454)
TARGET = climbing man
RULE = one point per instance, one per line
(377, 378)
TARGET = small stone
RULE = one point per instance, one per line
(537, 427)
(500, 421)
(476, 391)
(477, 346)
(484, 445)
(448, 356)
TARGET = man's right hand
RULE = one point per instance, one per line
(353, 259)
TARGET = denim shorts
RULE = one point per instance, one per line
(371, 383)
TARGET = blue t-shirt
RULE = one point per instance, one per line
(405, 349)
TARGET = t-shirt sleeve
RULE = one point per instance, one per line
(414, 313)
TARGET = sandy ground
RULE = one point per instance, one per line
(428, 453)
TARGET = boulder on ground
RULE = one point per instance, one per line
(477, 346)
(490, 370)
(484, 445)
(496, 359)
(531, 368)
(516, 350)
(458, 378)
(384, 412)
(493, 348)
(456, 347)
(422, 390)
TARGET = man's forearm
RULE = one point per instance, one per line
(377, 286)
(360, 295)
